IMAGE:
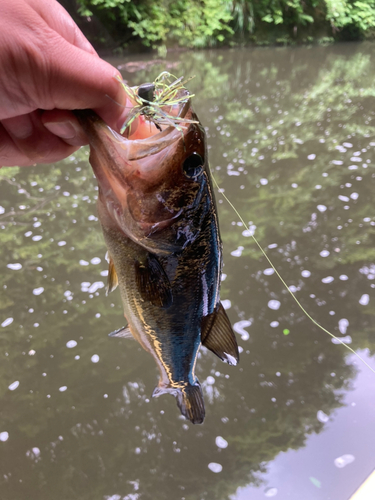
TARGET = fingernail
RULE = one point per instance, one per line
(65, 130)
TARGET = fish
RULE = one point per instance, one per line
(158, 214)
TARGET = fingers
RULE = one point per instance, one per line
(47, 64)
(81, 80)
(65, 125)
(61, 22)
(24, 140)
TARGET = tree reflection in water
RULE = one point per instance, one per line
(291, 138)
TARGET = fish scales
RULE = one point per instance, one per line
(157, 210)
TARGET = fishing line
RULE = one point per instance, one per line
(221, 191)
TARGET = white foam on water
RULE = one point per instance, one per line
(4, 436)
(274, 304)
(221, 442)
(13, 386)
(238, 252)
(226, 303)
(215, 467)
(268, 271)
(7, 322)
(365, 299)
(347, 340)
(15, 267)
(343, 325)
(328, 279)
(239, 328)
(95, 286)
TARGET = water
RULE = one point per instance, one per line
(291, 136)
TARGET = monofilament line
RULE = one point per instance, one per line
(285, 285)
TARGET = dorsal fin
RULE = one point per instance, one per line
(153, 283)
(218, 336)
(123, 332)
(112, 281)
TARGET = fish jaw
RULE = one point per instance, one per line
(141, 182)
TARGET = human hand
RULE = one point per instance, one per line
(48, 67)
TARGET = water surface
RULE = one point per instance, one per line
(292, 140)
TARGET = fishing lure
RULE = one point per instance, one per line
(166, 91)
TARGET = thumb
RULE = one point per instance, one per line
(81, 80)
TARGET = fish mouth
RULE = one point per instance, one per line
(152, 141)
(147, 139)
(137, 177)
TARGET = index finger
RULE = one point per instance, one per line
(81, 80)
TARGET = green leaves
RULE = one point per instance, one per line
(202, 23)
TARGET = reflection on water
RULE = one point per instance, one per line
(292, 137)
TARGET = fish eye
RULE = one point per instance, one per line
(193, 165)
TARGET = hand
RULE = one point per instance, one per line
(48, 67)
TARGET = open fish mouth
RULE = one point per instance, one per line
(142, 184)
(147, 139)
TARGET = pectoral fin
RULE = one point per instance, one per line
(112, 277)
(123, 333)
(153, 284)
(218, 336)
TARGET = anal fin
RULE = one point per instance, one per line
(123, 332)
(218, 336)
(153, 283)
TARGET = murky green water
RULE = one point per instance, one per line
(292, 141)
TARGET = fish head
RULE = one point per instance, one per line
(148, 186)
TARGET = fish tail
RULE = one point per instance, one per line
(189, 400)
(191, 404)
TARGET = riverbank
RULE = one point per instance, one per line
(119, 27)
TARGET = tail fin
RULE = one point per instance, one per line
(189, 400)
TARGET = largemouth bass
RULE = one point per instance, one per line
(157, 210)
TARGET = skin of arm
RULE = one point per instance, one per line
(48, 68)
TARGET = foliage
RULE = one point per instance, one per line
(343, 13)
(201, 23)
(190, 23)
